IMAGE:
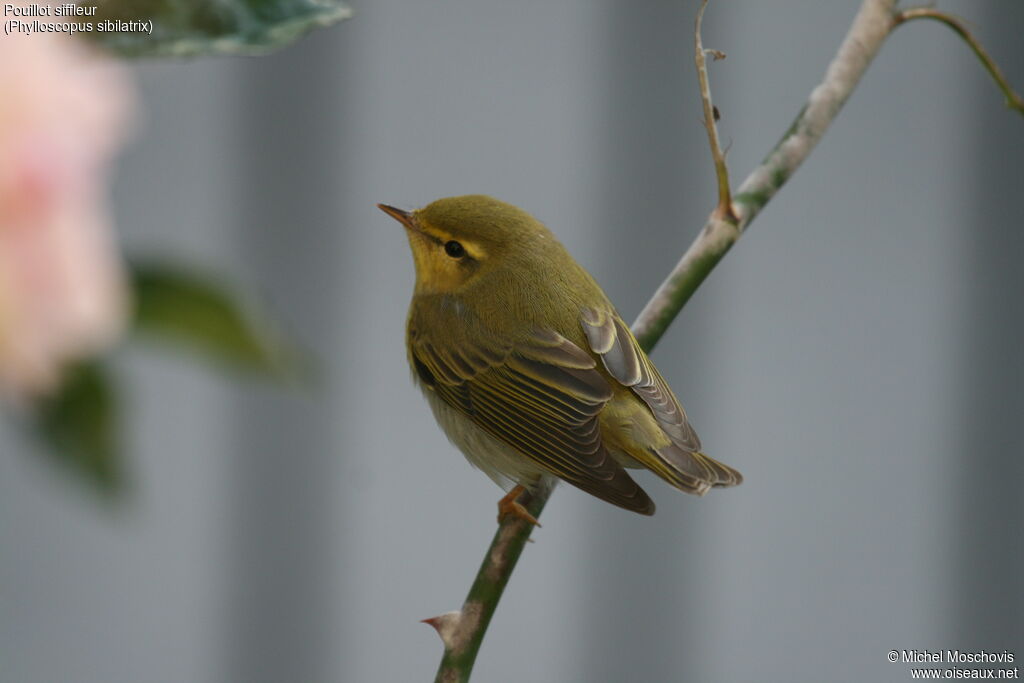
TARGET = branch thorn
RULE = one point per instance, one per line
(445, 625)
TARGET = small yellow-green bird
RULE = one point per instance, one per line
(528, 367)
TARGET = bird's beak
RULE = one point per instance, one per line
(404, 217)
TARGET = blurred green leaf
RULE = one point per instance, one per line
(79, 425)
(198, 313)
(185, 28)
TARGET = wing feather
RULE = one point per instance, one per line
(627, 363)
(543, 398)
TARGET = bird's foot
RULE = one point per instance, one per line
(509, 506)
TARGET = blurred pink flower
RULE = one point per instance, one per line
(63, 111)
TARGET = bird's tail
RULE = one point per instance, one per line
(692, 471)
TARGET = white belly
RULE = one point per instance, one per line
(499, 461)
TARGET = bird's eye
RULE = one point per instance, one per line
(454, 249)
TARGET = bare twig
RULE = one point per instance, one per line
(873, 23)
(1013, 100)
(724, 210)
(463, 631)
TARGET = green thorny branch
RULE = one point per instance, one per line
(462, 631)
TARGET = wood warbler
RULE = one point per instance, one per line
(528, 367)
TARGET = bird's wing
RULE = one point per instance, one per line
(542, 397)
(627, 363)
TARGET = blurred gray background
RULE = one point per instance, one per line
(858, 357)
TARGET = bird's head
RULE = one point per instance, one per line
(456, 240)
